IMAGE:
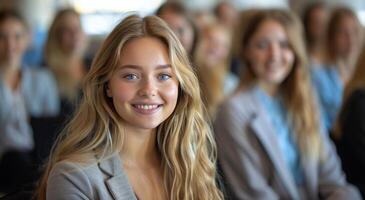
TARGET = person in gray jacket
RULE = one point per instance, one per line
(270, 138)
(139, 132)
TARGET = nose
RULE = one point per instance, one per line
(148, 88)
(274, 52)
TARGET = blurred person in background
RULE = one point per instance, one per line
(315, 19)
(178, 18)
(350, 128)
(269, 136)
(24, 92)
(344, 40)
(226, 14)
(212, 63)
(64, 56)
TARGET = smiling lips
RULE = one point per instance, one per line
(146, 108)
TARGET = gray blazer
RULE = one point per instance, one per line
(254, 167)
(101, 180)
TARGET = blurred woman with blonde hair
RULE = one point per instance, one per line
(64, 55)
(344, 38)
(212, 66)
(269, 136)
(139, 132)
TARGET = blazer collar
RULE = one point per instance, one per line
(118, 183)
(262, 127)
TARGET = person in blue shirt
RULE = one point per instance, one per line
(24, 93)
(269, 136)
(344, 41)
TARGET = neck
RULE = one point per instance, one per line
(269, 88)
(10, 75)
(140, 148)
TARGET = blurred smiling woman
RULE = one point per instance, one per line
(269, 137)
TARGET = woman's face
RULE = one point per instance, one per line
(144, 87)
(70, 34)
(269, 53)
(216, 46)
(182, 28)
(317, 24)
(13, 41)
(346, 37)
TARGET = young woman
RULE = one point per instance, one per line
(315, 18)
(212, 66)
(24, 92)
(178, 18)
(344, 41)
(139, 132)
(349, 131)
(268, 134)
(64, 56)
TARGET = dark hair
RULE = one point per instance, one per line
(172, 6)
(12, 14)
(180, 9)
(337, 15)
(306, 17)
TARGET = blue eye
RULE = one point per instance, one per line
(130, 77)
(164, 77)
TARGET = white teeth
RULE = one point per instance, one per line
(146, 107)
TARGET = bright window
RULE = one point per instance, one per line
(100, 16)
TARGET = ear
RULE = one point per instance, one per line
(107, 90)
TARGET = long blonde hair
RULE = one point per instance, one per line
(61, 63)
(184, 140)
(296, 88)
(212, 75)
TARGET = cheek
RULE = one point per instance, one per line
(170, 92)
(122, 93)
(289, 57)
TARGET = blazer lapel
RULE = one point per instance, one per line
(264, 130)
(118, 183)
(310, 171)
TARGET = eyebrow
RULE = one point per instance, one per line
(128, 66)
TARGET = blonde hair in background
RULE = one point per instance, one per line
(59, 61)
(212, 75)
(184, 140)
(296, 89)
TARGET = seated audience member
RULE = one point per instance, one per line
(24, 92)
(178, 18)
(315, 19)
(139, 132)
(270, 141)
(212, 66)
(64, 56)
(344, 40)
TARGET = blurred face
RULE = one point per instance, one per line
(317, 23)
(228, 15)
(182, 28)
(347, 37)
(269, 54)
(13, 41)
(144, 87)
(216, 46)
(70, 34)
